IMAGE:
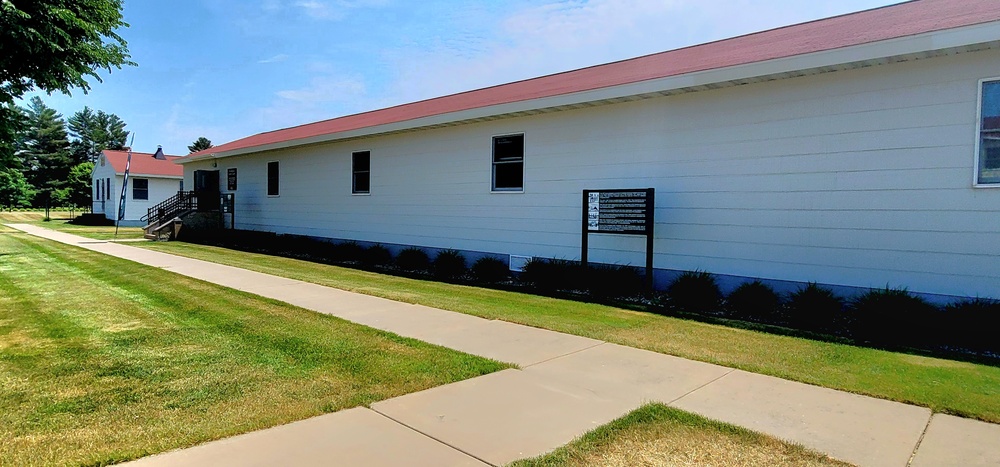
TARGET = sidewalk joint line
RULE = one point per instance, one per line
(731, 370)
(435, 439)
(920, 440)
(565, 355)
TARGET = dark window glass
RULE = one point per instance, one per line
(272, 179)
(989, 134)
(361, 163)
(140, 188)
(508, 163)
(991, 158)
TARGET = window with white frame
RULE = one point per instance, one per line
(508, 163)
(361, 169)
(988, 155)
(140, 188)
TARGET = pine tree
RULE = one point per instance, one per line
(95, 132)
(11, 136)
(112, 131)
(200, 144)
(45, 149)
(82, 126)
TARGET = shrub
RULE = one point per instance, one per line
(449, 265)
(413, 259)
(490, 270)
(251, 240)
(695, 292)
(755, 301)
(310, 247)
(815, 308)
(376, 255)
(296, 246)
(345, 251)
(613, 281)
(893, 317)
(972, 324)
(553, 274)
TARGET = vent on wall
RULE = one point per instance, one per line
(517, 263)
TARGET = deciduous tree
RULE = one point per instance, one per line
(14, 189)
(56, 45)
(79, 185)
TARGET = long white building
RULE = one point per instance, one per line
(856, 151)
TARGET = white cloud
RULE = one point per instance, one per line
(178, 130)
(334, 9)
(275, 59)
(271, 6)
(319, 10)
(563, 35)
(326, 94)
(326, 88)
(480, 45)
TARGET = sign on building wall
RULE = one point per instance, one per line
(231, 179)
(620, 212)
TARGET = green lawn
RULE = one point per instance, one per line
(959, 388)
(659, 435)
(59, 220)
(104, 360)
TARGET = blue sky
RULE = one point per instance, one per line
(225, 69)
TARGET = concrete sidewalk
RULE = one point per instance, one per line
(566, 386)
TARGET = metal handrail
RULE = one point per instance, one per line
(171, 207)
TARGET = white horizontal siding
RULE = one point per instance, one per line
(105, 204)
(159, 190)
(859, 178)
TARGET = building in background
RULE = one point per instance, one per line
(152, 179)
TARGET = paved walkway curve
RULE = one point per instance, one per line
(566, 386)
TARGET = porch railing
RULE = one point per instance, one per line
(183, 201)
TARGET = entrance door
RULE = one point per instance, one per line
(206, 188)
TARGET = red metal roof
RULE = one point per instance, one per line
(895, 21)
(144, 164)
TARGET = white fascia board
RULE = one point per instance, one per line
(134, 174)
(864, 54)
(203, 157)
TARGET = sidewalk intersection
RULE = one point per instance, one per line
(566, 386)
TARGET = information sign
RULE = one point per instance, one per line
(621, 212)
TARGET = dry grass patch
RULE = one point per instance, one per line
(657, 435)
